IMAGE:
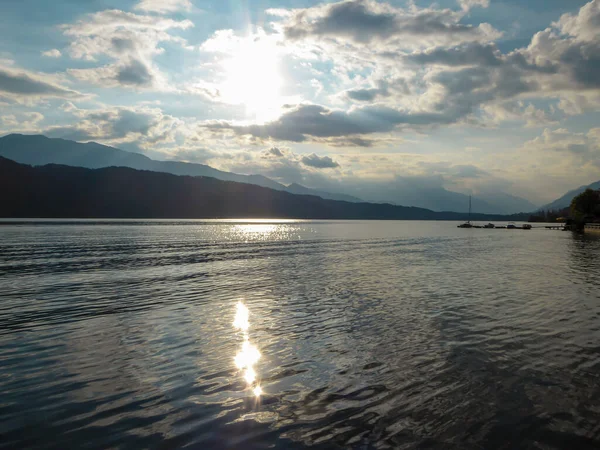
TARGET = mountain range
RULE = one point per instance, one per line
(437, 198)
(40, 150)
(57, 191)
(565, 200)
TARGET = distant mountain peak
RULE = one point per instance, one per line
(565, 200)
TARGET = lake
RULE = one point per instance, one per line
(297, 334)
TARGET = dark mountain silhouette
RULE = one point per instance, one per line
(565, 200)
(55, 191)
(38, 150)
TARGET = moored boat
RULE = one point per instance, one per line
(468, 223)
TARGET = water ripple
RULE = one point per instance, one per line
(357, 335)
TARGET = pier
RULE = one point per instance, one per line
(591, 228)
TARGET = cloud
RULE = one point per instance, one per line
(19, 84)
(585, 146)
(318, 85)
(27, 122)
(283, 165)
(472, 82)
(467, 55)
(561, 62)
(274, 151)
(365, 21)
(144, 126)
(128, 73)
(572, 47)
(164, 6)
(319, 162)
(135, 73)
(518, 111)
(466, 5)
(380, 89)
(558, 160)
(366, 95)
(453, 76)
(54, 53)
(130, 40)
(310, 122)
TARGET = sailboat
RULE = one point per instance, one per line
(468, 223)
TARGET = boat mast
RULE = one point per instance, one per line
(469, 209)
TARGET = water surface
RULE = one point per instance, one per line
(248, 334)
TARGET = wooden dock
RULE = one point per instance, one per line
(591, 228)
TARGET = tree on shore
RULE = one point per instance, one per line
(586, 204)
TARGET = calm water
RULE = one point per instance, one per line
(289, 335)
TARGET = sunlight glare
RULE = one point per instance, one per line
(241, 321)
(250, 375)
(248, 355)
(253, 78)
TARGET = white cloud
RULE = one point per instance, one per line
(54, 53)
(466, 5)
(27, 122)
(517, 111)
(130, 40)
(164, 6)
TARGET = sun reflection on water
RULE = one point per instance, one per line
(248, 356)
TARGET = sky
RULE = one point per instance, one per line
(469, 95)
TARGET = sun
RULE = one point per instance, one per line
(253, 78)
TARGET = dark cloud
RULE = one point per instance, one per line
(23, 84)
(123, 45)
(582, 60)
(364, 21)
(319, 162)
(274, 151)
(383, 89)
(350, 18)
(314, 121)
(366, 95)
(469, 88)
(463, 81)
(127, 121)
(135, 73)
